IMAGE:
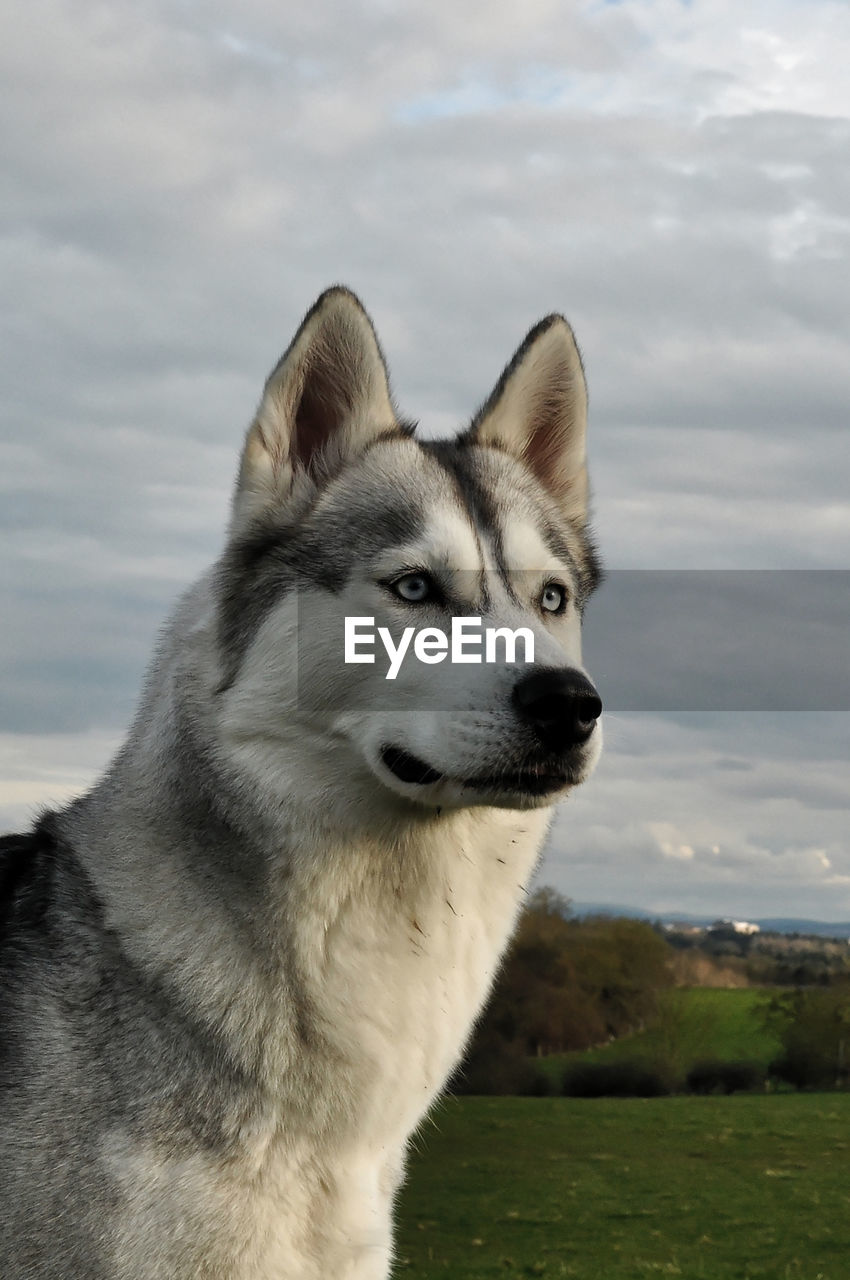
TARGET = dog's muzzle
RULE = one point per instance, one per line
(560, 707)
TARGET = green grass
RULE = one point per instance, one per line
(695, 1023)
(621, 1189)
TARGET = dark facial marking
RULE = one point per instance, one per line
(319, 550)
(476, 497)
(477, 492)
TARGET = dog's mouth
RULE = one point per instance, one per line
(409, 768)
(535, 780)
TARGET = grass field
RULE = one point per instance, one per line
(621, 1189)
(696, 1023)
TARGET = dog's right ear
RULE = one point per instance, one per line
(325, 401)
(538, 413)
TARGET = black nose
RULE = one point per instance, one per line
(561, 706)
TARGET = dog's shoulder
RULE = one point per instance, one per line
(48, 906)
(28, 871)
(28, 863)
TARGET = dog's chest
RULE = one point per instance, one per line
(398, 973)
(391, 972)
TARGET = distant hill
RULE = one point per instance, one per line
(818, 928)
(770, 924)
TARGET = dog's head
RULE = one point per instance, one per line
(350, 541)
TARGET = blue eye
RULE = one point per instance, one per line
(553, 598)
(414, 588)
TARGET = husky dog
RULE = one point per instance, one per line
(235, 974)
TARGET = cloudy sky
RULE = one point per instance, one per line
(179, 180)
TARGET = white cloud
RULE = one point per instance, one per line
(40, 770)
(182, 180)
(765, 838)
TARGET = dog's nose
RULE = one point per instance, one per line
(562, 707)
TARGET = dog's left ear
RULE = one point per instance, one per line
(538, 412)
(326, 400)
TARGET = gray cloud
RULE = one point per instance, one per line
(664, 826)
(182, 180)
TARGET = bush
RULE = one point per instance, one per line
(814, 1030)
(724, 1077)
(806, 1068)
(615, 1080)
(499, 1069)
(539, 1085)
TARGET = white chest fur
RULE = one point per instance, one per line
(397, 970)
(397, 958)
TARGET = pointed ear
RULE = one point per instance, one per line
(538, 413)
(326, 400)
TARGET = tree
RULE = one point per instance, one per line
(814, 1031)
(570, 984)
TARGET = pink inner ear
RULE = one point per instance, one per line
(544, 454)
(322, 409)
(547, 442)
